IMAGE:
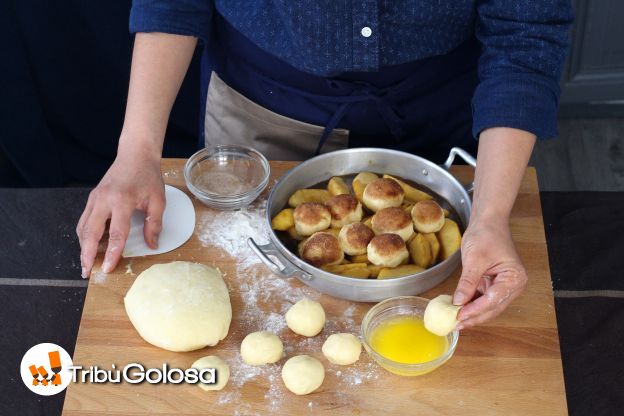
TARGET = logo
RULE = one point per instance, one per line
(45, 369)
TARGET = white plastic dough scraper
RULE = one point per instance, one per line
(178, 225)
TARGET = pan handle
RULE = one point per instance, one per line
(457, 151)
(276, 262)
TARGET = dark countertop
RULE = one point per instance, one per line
(42, 294)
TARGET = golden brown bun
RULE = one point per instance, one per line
(311, 217)
(321, 249)
(354, 238)
(428, 216)
(344, 210)
(393, 220)
(387, 250)
(383, 193)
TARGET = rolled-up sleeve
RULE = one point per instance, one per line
(524, 45)
(179, 17)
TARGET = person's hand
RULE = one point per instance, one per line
(491, 268)
(133, 182)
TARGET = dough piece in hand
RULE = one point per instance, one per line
(342, 349)
(261, 347)
(441, 315)
(311, 217)
(222, 371)
(383, 193)
(306, 317)
(303, 374)
(180, 306)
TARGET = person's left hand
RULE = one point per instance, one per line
(492, 268)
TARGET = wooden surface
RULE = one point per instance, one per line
(511, 365)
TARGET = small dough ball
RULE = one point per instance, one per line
(342, 349)
(344, 210)
(321, 249)
(354, 238)
(180, 306)
(303, 374)
(387, 250)
(261, 347)
(311, 217)
(222, 371)
(441, 315)
(383, 193)
(428, 216)
(306, 317)
(393, 220)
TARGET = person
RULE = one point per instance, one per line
(296, 78)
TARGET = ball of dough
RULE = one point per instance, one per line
(311, 217)
(387, 250)
(303, 374)
(262, 347)
(180, 306)
(383, 193)
(354, 238)
(306, 317)
(342, 349)
(321, 249)
(441, 315)
(222, 371)
(344, 210)
(393, 220)
(428, 216)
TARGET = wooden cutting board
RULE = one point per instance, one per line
(511, 365)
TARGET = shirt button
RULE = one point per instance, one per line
(366, 31)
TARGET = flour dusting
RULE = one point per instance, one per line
(266, 298)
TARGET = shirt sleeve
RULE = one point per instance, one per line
(179, 17)
(524, 45)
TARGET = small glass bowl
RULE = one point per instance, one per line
(401, 306)
(227, 177)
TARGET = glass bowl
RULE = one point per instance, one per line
(227, 177)
(401, 306)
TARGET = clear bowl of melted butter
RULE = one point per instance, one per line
(227, 177)
(395, 337)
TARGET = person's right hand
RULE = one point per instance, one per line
(132, 182)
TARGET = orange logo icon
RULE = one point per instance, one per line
(45, 369)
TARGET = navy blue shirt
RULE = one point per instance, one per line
(524, 42)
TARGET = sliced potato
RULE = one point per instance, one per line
(359, 272)
(283, 220)
(292, 232)
(420, 251)
(334, 231)
(411, 194)
(368, 221)
(362, 258)
(374, 270)
(450, 238)
(342, 268)
(407, 207)
(337, 186)
(389, 273)
(360, 181)
(308, 195)
(435, 247)
(446, 212)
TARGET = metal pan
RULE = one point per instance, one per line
(286, 264)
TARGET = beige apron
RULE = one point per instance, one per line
(231, 118)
